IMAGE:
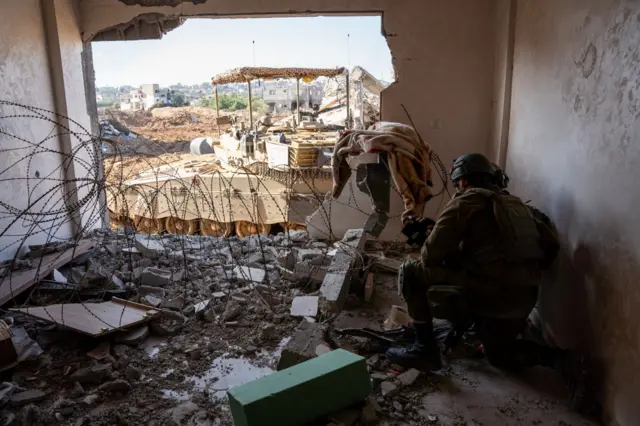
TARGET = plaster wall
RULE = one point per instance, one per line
(40, 67)
(573, 150)
(25, 79)
(443, 53)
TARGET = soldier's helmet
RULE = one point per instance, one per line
(471, 164)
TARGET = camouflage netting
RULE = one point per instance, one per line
(242, 75)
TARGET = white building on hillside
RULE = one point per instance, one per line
(146, 97)
(281, 95)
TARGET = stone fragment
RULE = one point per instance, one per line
(176, 303)
(388, 388)
(408, 377)
(90, 399)
(100, 352)
(304, 272)
(267, 331)
(133, 337)
(159, 277)
(305, 306)
(119, 385)
(145, 290)
(336, 283)
(246, 273)
(151, 300)
(168, 324)
(77, 390)
(232, 311)
(148, 247)
(27, 397)
(302, 345)
(297, 236)
(95, 374)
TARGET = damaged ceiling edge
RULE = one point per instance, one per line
(143, 27)
(152, 3)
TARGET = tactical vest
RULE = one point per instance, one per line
(519, 236)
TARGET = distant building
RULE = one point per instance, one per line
(282, 95)
(146, 97)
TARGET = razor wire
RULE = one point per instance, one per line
(57, 187)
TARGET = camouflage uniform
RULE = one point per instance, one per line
(482, 263)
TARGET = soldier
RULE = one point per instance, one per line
(480, 264)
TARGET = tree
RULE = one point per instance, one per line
(178, 100)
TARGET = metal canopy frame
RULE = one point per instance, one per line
(247, 74)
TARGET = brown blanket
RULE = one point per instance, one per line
(409, 161)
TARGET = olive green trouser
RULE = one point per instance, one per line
(442, 293)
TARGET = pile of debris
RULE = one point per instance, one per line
(122, 317)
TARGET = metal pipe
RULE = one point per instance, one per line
(298, 98)
(217, 111)
(250, 106)
(348, 123)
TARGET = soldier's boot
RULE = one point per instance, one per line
(423, 354)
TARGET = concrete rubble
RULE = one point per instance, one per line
(217, 298)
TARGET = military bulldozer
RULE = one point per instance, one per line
(253, 181)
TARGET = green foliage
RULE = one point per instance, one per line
(178, 100)
(235, 102)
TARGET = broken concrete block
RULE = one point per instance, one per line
(95, 374)
(151, 300)
(336, 284)
(250, 274)
(308, 273)
(176, 303)
(134, 336)
(58, 277)
(305, 306)
(102, 351)
(117, 282)
(232, 311)
(159, 277)
(168, 324)
(309, 254)
(26, 397)
(408, 377)
(267, 331)
(148, 247)
(119, 385)
(291, 397)
(297, 236)
(144, 290)
(388, 388)
(90, 399)
(287, 259)
(388, 265)
(302, 345)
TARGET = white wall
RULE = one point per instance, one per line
(574, 150)
(34, 150)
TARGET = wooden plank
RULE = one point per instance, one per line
(93, 319)
(17, 282)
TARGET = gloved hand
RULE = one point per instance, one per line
(417, 230)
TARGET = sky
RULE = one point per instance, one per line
(201, 48)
